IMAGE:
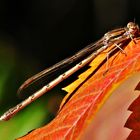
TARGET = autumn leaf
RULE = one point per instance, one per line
(89, 113)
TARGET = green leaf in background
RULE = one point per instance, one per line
(23, 122)
(33, 116)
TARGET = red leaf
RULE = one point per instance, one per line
(135, 106)
(138, 86)
(134, 135)
(133, 121)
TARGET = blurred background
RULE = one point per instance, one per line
(35, 35)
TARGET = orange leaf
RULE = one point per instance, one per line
(77, 118)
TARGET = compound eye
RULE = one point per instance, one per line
(131, 25)
(132, 28)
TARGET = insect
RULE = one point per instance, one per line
(115, 37)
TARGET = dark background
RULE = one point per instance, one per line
(50, 30)
(37, 34)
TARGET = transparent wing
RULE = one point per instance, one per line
(64, 63)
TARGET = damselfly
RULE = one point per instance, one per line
(115, 37)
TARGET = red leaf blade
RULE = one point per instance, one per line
(78, 113)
